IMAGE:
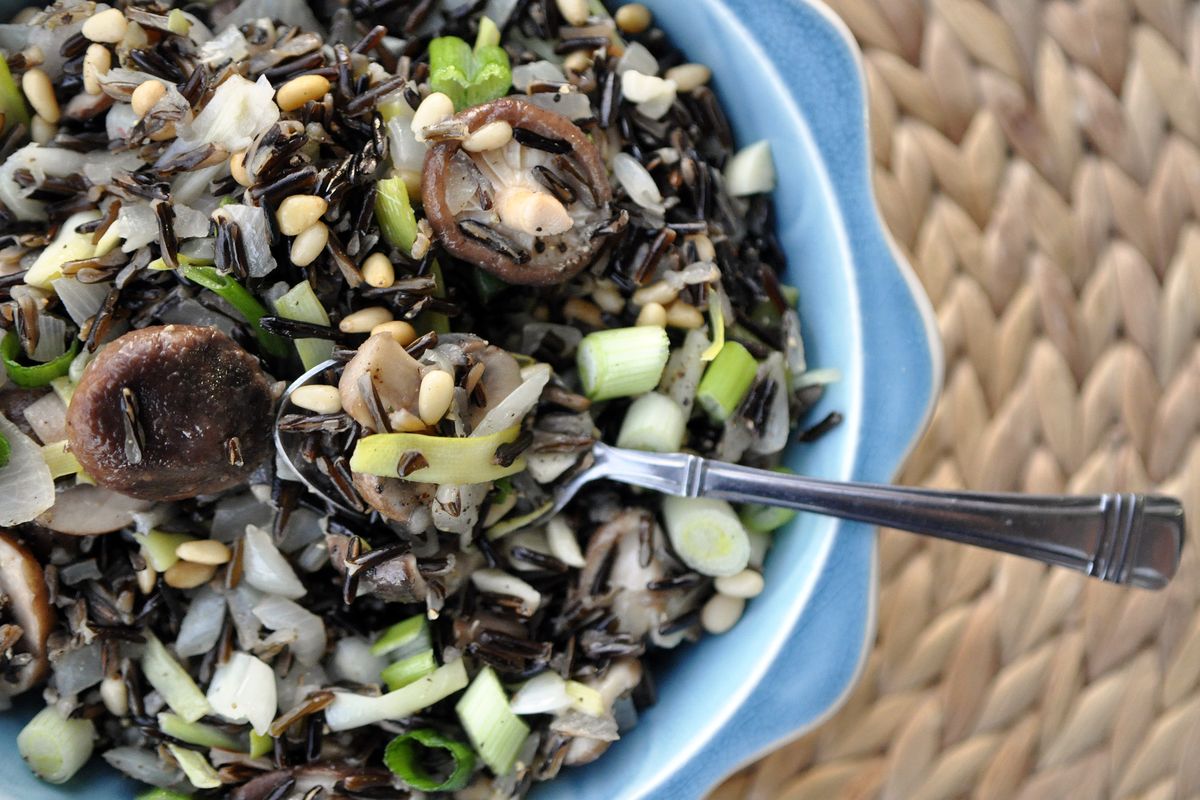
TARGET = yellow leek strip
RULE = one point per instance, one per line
(449, 459)
(718, 329)
(59, 459)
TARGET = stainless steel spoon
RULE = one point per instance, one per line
(1125, 538)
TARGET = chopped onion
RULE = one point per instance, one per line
(303, 528)
(82, 300)
(349, 710)
(48, 417)
(52, 339)
(637, 182)
(77, 668)
(775, 430)
(750, 171)
(498, 11)
(201, 626)
(256, 236)
(266, 568)
(172, 681)
(229, 45)
(519, 402)
(654, 96)
(190, 311)
(525, 75)
(85, 510)
(407, 154)
(548, 466)
(563, 543)
(101, 167)
(572, 105)
(307, 630)
(684, 369)
(292, 12)
(26, 488)
(543, 694)
(238, 112)
(464, 500)
(243, 690)
(234, 512)
(242, 601)
(499, 582)
(143, 765)
(40, 161)
(353, 661)
(119, 121)
(638, 58)
(190, 187)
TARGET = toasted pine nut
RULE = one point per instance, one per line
(404, 421)
(298, 91)
(575, 12)
(96, 62)
(491, 136)
(146, 96)
(114, 695)
(652, 314)
(188, 574)
(684, 315)
(747, 583)
(300, 212)
(378, 271)
(146, 579)
(108, 26)
(318, 398)
(608, 298)
(437, 390)
(41, 131)
(363, 320)
(39, 91)
(688, 76)
(204, 551)
(661, 293)
(309, 244)
(237, 168)
(704, 247)
(578, 61)
(583, 311)
(721, 613)
(398, 329)
(433, 109)
(633, 18)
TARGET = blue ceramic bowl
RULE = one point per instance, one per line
(788, 71)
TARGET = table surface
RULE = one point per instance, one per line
(1040, 164)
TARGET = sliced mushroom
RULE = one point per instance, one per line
(530, 211)
(500, 375)
(23, 584)
(89, 510)
(169, 412)
(403, 502)
(395, 375)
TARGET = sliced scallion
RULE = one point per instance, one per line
(195, 766)
(717, 323)
(6, 452)
(349, 710)
(241, 299)
(513, 524)
(408, 670)
(622, 362)
(64, 387)
(403, 757)
(584, 698)
(58, 458)
(301, 304)
(492, 75)
(197, 733)
(55, 746)
(68, 245)
(449, 459)
(12, 102)
(158, 547)
(260, 744)
(488, 35)
(162, 794)
(394, 211)
(184, 261)
(766, 519)
(495, 731)
(706, 534)
(653, 422)
(172, 681)
(404, 638)
(31, 377)
(726, 381)
(469, 76)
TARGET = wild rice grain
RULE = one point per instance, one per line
(206, 551)
(146, 97)
(96, 62)
(378, 271)
(309, 244)
(433, 400)
(744, 584)
(633, 18)
(108, 26)
(300, 212)
(39, 91)
(688, 76)
(188, 574)
(364, 320)
(318, 398)
(721, 613)
(398, 329)
(298, 91)
(652, 314)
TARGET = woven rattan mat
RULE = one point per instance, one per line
(1040, 164)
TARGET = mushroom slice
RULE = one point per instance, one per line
(403, 502)
(394, 375)
(23, 584)
(531, 211)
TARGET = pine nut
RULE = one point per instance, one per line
(684, 315)
(363, 320)
(188, 574)
(688, 76)
(237, 168)
(398, 329)
(135, 37)
(744, 584)
(437, 390)
(147, 579)
(146, 96)
(433, 109)
(206, 551)
(318, 398)
(578, 62)
(41, 131)
(608, 298)
(39, 91)
(298, 91)
(661, 293)
(164, 133)
(583, 311)
(404, 421)
(378, 271)
(704, 247)
(721, 613)
(114, 695)
(652, 314)
(34, 57)
(633, 18)
(575, 12)
(492, 136)
(108, 26)
(309, 244)
(300, 212)
(96, 62)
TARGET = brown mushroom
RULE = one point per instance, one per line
(169, 412)
(27, 600)
(382, 362)
(532, 211)
(404, 502)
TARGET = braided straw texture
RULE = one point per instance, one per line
(1040, 165)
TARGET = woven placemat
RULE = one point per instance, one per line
(1039, 163)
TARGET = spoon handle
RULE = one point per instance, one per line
(1123, 538)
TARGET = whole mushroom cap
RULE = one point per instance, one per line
(170, 412)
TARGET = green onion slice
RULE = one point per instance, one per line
(241, 299)
(5, 451)
(653, 422)
(408, 670)
(622, 362)
(726, 381)
(12, 102)
(494, 729)
(404, 758)
(393, 209)
(706, 534)
(56, 747)
(449, 459)
(767, 519)
(404, 638)
(162, 794)
(31, 377)
(469, 76)
(301, 304)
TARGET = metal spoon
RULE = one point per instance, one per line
(1124, 538)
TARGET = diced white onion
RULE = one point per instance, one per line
(120, 121)
(637, 57)
(52, 339)
(524, 75)
(408, 155)
(242, 601)
(229, 45)
(572, 105)
(774, 434)
(499, 11)
(101, 166)
(519, 402)
(265, 568)
(353, 661)
(500, 582)
(26, 488)
(638, 182)
(563, 543)
(48, 418)
(234, 512)
(77, 669)
(256, 236)
(653, 95)
(237, 113)
(243, 690)
(201, 626)
(751, 170)
(82, 300)
(307, 630)
(291, 12)
(545, 693)
(40, 161)
(85, 510)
